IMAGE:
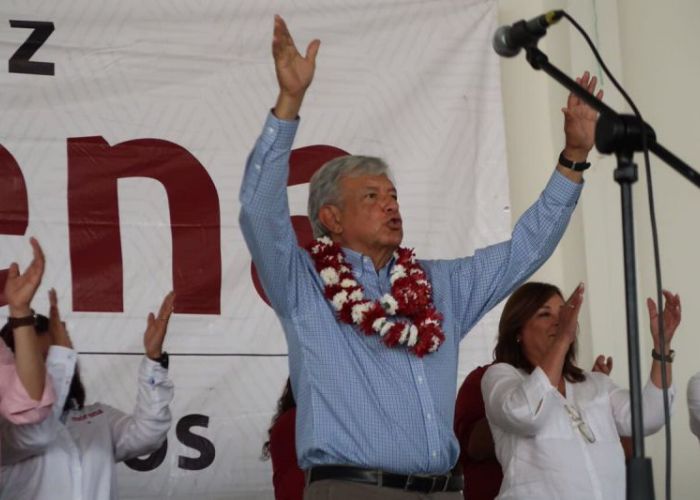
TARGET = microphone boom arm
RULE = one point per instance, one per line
(539, 61)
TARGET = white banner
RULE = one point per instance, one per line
(126, 125)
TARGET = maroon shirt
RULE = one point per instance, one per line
(482, 479)
(287, 477)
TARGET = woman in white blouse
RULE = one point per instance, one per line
(73, 453)
(557, 427)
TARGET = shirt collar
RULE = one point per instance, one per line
(363, 264)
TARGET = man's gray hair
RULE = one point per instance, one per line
(324, 186)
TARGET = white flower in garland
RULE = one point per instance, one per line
(373, 316)
(388, 325)
(412, 336)
(397, 272)
(359, 310)
(329, 276)
(339, 299)
(390, 304)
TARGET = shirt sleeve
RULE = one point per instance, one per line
(652, 407)
(23, 441)
(264, 214)
(16, 405)
(515, 402)
(483, 280)
(145, 429)
(693, 393)
(469, 408)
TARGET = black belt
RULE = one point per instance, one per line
(411, 482)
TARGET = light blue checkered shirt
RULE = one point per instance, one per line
(359, 402)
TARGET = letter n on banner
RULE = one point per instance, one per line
(94, 167)
(14, 205)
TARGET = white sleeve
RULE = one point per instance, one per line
(145, 430)
(652, 407)
(516, 403)
(20, 442)
(694, 403)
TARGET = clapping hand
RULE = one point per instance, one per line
(568, 315)
(671, 318)
(157, 327)
(580, 121)
(21, 287)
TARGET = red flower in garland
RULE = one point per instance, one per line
(410, 297)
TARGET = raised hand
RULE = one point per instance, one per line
(294, 71)
(671, 319)
(568, 315)
(57, 328)
(580, 120)
(157, 327)
(20, 288)
(603, 365)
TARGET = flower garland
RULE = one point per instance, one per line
(411, 297)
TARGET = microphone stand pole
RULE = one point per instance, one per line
(623, 135)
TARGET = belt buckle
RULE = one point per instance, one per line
(432, 485)
(409, 481)
(447, 478)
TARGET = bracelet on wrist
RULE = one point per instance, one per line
(19, 321)
(575, 166)
(669, 355)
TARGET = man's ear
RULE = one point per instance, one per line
(330, 217)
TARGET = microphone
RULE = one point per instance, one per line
(508, 40)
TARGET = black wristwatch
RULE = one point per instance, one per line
(669, 357)
(23, 321)
(577, 167)
(163, 359)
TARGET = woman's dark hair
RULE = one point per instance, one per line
(76, 393)
(522, 305)
(284, 403)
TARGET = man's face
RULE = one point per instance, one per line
(369, 217)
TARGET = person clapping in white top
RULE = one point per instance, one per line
(694, 403)
(72, 454)
(556, 427)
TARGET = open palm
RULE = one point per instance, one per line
(294, 71)
(20, 288)
(580, 118)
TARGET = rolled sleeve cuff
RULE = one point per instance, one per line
(152, 372)
(279, 134)
(59, 354)
(19, 408)
(562, 190)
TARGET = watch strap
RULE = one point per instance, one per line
(22, 321)
(669, 357)
(576, 166)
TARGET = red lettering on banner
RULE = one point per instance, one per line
(303, 162)
(94, 167)
(14, 205)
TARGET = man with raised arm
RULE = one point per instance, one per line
(373, 333)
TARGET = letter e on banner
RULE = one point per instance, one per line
(303, 163)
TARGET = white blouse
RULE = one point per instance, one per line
(568, 448)
(694, 403)
(72, 455)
